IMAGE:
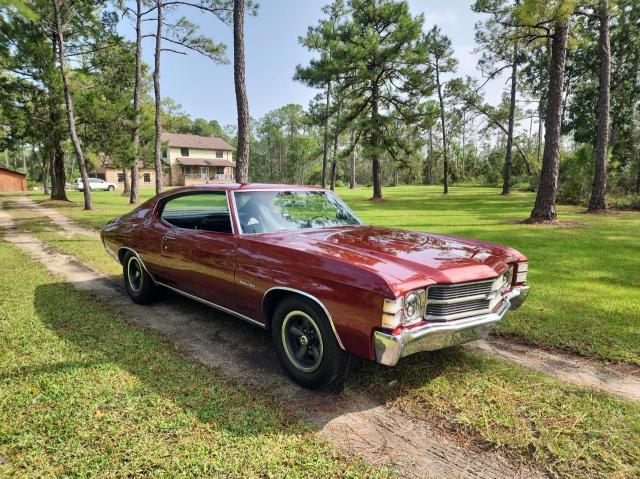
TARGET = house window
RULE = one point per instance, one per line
(147, 177)
(219, 154)
(219, 170)
(184, 151)
(120, 177)
(164, 153)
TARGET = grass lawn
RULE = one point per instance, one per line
(567, 430)
(585, 275)
(83, 394)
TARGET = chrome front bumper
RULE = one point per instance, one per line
(390, 348)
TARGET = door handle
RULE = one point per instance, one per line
(166, 239)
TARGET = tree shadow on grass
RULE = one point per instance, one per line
(241, 352)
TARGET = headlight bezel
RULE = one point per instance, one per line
(395, 310)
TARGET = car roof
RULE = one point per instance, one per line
(245, 187)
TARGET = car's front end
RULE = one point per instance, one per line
(444, 315)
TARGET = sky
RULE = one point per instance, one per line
(272, 51)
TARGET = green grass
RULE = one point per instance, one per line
(567, 430)
(83, 394)
(585, 275)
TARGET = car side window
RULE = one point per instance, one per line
(206, 211)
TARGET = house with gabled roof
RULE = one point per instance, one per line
(193, 160)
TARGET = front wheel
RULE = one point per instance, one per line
(306, 345)
(140, 287)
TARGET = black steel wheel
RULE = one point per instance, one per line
(302, 341)
(139, 285)
(306, 344)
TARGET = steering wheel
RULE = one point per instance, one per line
(319, 216)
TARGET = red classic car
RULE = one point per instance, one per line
(297, 261)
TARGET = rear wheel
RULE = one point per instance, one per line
(140, 287)
(307, 346)
(111, 188)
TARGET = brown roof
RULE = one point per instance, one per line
(195, 141)
(14, 171)
(190, 160)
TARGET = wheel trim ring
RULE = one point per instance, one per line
(285, 342)
(134, 262)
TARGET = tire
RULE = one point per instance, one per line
(299, 324)
(139, 285)
(111, 188)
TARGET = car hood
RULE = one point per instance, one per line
(407, 257)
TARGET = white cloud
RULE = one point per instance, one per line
(440, 18)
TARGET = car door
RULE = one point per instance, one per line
(198, 246)
(95, 184)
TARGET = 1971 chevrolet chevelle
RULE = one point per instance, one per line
(298, 262)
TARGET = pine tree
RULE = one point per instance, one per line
(442, 61)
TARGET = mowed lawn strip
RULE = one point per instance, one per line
(568, 430)
(83, 394)
(585, 275)
(565, 430)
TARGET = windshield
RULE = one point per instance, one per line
(269, 211)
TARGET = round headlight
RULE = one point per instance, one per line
(412, 308)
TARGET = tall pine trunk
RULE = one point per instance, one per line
(325, 147)
(58, 177)
(88, 205)
(506, 173)
(242, 159)
(638, 173)
(133, 196)
(445, 153)
(352, 172)
(597, 201)
(45, 172)
(375, 146)
(334, 161)
(545, 205)
(126, 190)
(158, 98)
(430, 159)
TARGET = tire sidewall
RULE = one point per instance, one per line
(147, 287)
(329, 372)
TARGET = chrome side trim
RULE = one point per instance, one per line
(214, 305)
(196, 298)
(311, 297)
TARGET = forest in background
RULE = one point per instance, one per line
(390, 108)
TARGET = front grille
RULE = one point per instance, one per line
(456, 301)
(455, 308)
(444, 292)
